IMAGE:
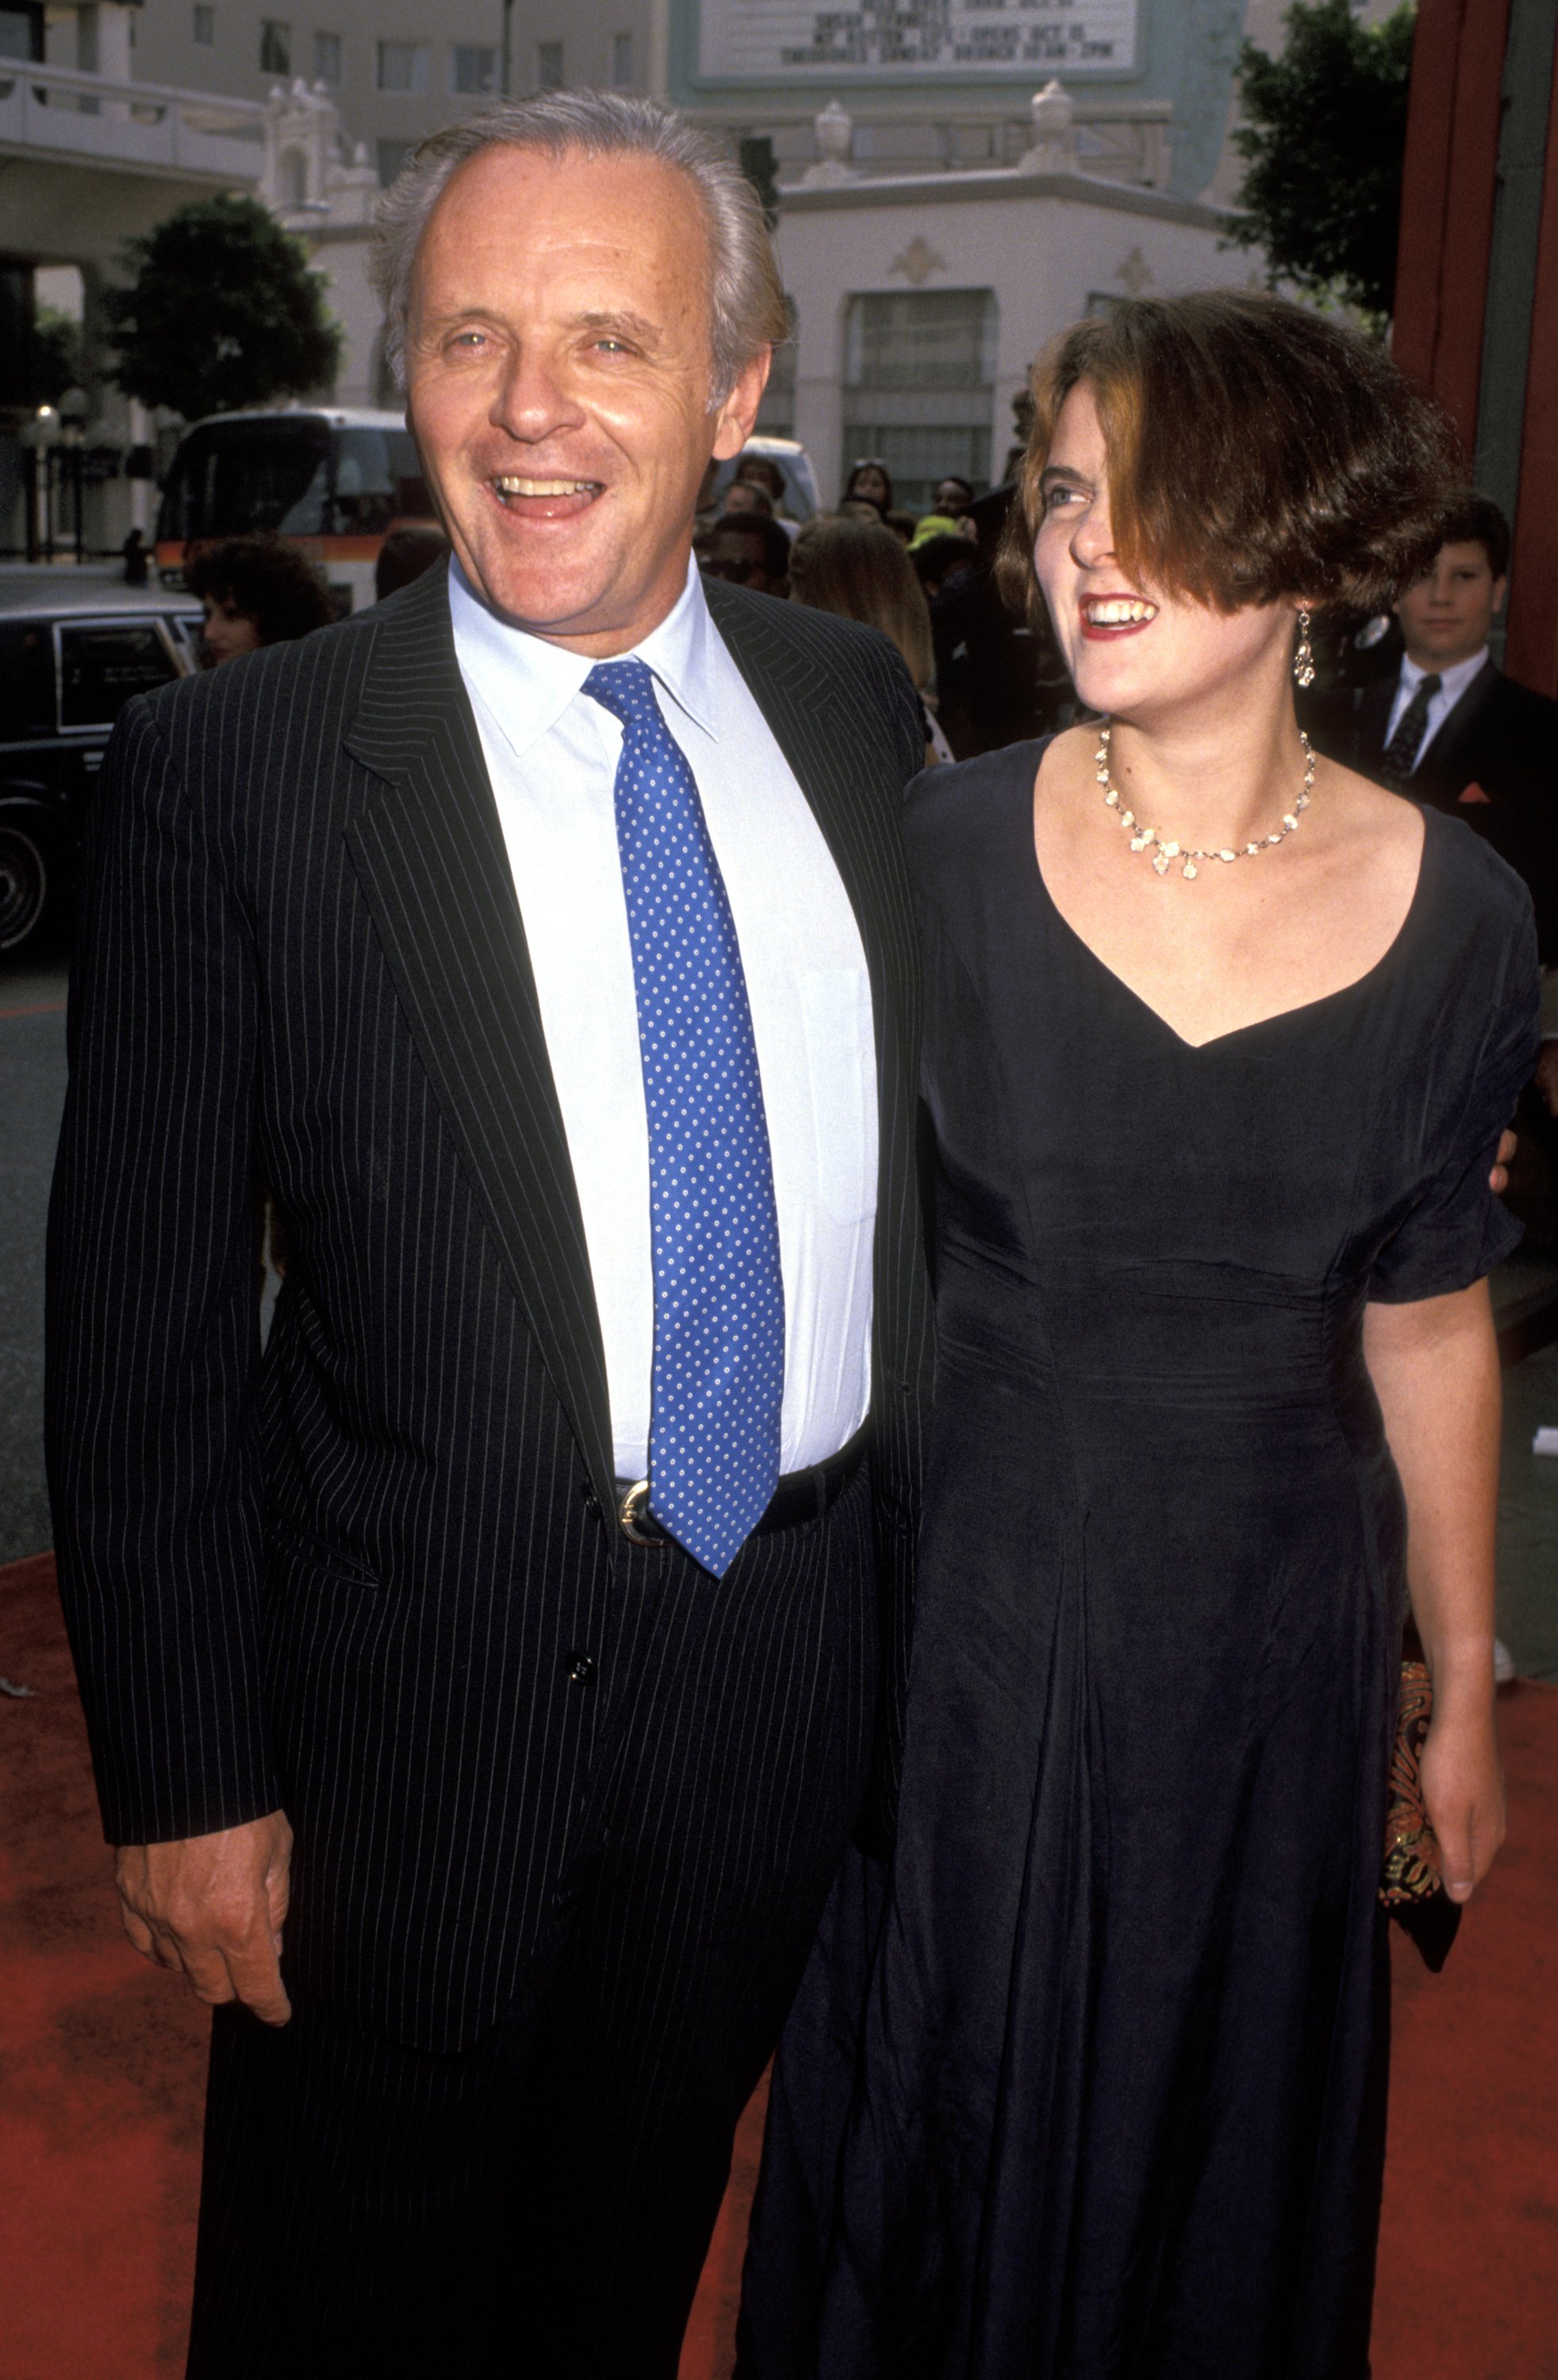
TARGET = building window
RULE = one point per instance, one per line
(327, 60)
(473, 70)
(918, 372)
(21, 33)
(622, 61)
(393, 157)
(205, 27)
(275, 47)
(549, 66)
(405, 66)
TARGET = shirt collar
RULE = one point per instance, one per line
(527, 683)
(680, 653)
(1454, 681)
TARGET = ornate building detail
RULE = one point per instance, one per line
(834, 129)
(1136, 273)
(918, 260)
(1054, 132)
(311, 176)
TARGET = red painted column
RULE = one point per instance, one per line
(1531, 653)
(1449, 182)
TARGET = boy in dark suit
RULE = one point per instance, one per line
(1451, 729)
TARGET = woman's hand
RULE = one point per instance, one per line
(1463, 1786)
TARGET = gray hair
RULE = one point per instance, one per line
(745, 295)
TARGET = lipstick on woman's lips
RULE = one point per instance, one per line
(1107, 617)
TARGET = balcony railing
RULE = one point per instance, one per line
(94, 120)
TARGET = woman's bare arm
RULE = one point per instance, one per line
(1435, 1367)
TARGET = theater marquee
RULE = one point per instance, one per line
(784, 40)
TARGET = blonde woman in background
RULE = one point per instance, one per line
(861, 571)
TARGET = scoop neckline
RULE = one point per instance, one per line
(1258, 1023)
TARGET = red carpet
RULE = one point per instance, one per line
(1469, 2253)
(102, 2059)
(103, 2063)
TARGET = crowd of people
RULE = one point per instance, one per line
(986, 671)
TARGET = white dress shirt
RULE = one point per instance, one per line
(551, 753)
(1456, 680)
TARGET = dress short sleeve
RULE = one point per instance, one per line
(1459, 1229)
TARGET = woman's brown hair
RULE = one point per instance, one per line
(1255, 451)
(861, 569)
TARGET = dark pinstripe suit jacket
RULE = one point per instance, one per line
(301, 962)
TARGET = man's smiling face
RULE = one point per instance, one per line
(558, 383)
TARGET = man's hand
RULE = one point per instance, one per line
(213, 1907)
(1546, 1076)
(1499, 1178)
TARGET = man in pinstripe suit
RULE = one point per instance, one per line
(513, 1629)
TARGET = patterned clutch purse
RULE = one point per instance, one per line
(1412, 1880)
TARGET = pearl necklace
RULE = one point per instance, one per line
(1147, 838)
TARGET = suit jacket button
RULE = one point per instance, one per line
(581, 1668)
(589, 1498)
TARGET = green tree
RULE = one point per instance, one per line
(1322, 142)
(56, 355)
(223, 312)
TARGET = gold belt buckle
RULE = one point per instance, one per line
(631, 1511)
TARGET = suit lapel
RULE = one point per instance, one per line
(1445, 751)
(428, 848)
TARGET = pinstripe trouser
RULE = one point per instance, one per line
(540, 2202)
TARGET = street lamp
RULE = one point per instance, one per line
(74, 407)
(40, 437)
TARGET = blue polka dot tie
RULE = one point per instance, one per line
(719, 1294)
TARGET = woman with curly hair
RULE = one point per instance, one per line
(1219, 1041)
(256, 591)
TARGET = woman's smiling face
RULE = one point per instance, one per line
(1127, 645)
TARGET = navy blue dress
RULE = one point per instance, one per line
(1092, 2082)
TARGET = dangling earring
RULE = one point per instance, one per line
(1304, 657)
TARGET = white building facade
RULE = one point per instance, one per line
(922, 300)
(395, 69)
(919, 299)
(955, 181)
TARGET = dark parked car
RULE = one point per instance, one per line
(71, 652)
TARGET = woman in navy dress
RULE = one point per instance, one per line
(1219, 1039)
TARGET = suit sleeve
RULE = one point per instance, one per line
(152, 1312)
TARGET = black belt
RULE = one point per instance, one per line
(801, 1495)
